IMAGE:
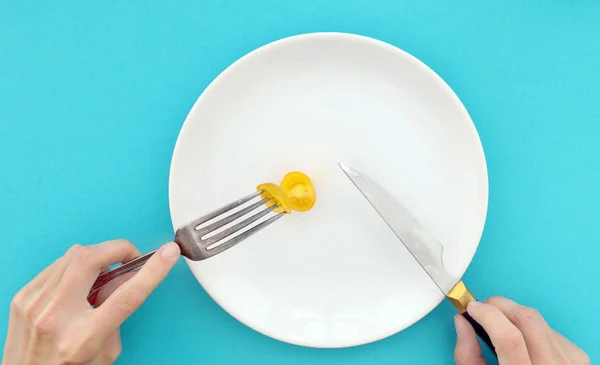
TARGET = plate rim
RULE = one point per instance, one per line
(376, 42)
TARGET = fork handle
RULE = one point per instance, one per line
(108, 275)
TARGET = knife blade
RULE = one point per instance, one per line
(421, 244)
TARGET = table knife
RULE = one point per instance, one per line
(422, 245)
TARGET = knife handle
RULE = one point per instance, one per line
(480, 332)
(460, 297)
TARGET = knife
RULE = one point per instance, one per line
(422, 245)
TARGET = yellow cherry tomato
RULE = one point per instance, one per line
(300, 190)
(277, 197)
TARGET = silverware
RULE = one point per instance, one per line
(198, 242)
(422, 245)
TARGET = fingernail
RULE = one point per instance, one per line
(169, 250)
(473, 305)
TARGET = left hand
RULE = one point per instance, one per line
(53, 323)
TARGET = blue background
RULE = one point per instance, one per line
(93, 94)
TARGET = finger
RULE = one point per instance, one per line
(532, 325)
(129, 296)
(57, 271)
(507, 339)
(567, 350)
(561, 340)
(87, 262)
(27, 297)
(38, 301)
(468, 349)
(18, 322)
(23, 300)
(92, 297)
(30, 301)
(107, 289)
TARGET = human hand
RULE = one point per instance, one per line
(53, 323)
(520, 335)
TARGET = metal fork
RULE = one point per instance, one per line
(195, 241)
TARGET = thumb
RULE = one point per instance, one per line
(130, 295)
(107, 289)
(468, 350)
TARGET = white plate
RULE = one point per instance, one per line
(335, 276)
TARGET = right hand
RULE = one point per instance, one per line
(520, 335)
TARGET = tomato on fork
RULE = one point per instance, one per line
(276, 196)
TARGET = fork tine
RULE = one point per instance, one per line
(226, 208)
(237, 239)
(190, 241)
(230, 218)
(231, 230)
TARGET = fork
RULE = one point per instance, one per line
(195, 241)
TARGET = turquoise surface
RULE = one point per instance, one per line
(93, 94)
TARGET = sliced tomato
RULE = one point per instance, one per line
(277, 197)
(300, 190)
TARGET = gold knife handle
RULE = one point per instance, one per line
(460, 297)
